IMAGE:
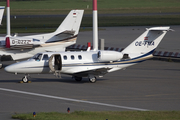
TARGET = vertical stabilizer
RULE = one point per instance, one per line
(95, 26)
(147, 42)
(71, 23)
(8, 19)
(1, 13)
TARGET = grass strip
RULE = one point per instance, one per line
(100, 11)
(82, 4)
(59, 7)
(83, 115)
(41, 7)
(49, 24)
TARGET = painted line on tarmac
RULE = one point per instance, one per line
(74, 100)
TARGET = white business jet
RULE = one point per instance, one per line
(21, 47)
(1, 13)
(93, 63)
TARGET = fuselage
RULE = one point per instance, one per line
(40, 46)
(75, 63)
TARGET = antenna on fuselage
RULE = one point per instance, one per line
(95, 26)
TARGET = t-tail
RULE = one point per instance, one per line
(69, 28)
(71, 22)
(143, 47)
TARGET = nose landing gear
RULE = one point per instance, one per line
(25, 79)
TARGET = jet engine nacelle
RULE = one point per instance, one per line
(105, 56)
(19, 42)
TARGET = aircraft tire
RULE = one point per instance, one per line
(25, 79)
(1, 65)
(78, 79)
(92, 80)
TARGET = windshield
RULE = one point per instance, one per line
(37, 57)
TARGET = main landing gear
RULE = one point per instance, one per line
(92, 79)
(1, 65)
(78, 79)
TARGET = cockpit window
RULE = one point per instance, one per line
(37, 57)
(45, 57)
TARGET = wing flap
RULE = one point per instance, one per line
(96, 72)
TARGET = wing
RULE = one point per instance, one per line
(97, 72)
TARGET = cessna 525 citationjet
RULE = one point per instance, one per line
(21, 47)
(94, 63)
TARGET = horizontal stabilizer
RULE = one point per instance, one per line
(159, 29)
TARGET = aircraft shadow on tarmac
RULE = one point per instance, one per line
(172, 69)
(63, 80)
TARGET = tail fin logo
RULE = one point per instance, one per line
(145, 38)
(74, 14)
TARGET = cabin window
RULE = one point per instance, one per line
(79, 57)
(45, 57)
(65, 57)
(72, 57)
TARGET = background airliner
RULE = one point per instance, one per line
(94, 63)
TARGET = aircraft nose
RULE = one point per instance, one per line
(9, 69)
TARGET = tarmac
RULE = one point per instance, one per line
(150, 85)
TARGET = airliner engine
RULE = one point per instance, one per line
(104, 56)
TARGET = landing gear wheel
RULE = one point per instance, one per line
(25, 79)
(92, 80)
(78, 78)
(1, 65)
